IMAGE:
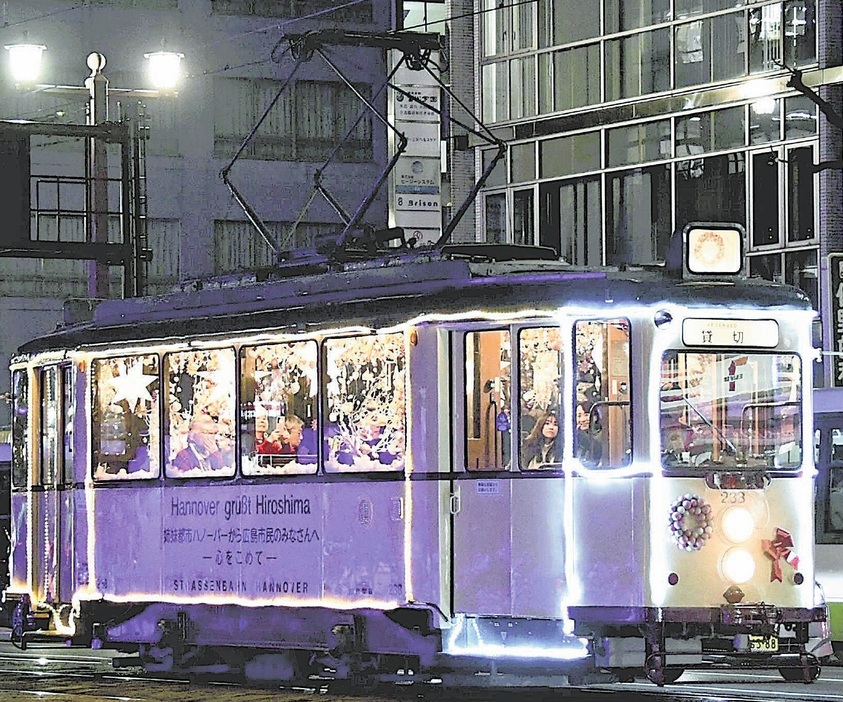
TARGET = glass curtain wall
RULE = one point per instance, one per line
(611, 189)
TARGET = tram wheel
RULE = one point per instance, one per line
(658, 674)
(794, 673)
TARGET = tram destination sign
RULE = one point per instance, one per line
(730, 332)
(835, 274)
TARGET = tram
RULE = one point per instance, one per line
(467, 463)
(828, 453)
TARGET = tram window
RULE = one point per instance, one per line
(539, 375)
(830, 464)
(278, 408)
(602, 436)
(68, 411)
(199, 421)
(731, 409)
(365, 403)
(834, 514)
(836, 446)
(125, 417)
(50, 433)
(20, 428)
(487, 400)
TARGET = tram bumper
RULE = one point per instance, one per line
(746, 633)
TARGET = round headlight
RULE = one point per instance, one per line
(737, 524)
(738, 565)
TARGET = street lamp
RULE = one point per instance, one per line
(164, 71)
(25, 62)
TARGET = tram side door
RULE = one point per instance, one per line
(52, 491)
(480, 504)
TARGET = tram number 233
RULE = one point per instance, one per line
(732, 497)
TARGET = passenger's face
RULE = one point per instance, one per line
(295, 436)
(582, 417)
(204, 436)
(551, 428)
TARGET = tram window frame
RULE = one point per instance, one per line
(50, 429)
(539, 402)
(475, 409)
(291, 392)
(21, 432)
(131, 390)
(68, 402)
(362, 416)
(773, 424)
(596, 393)
(212, 374)
(829, 479)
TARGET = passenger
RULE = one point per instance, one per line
(541, 446)
(588, 444)
(225, 442)
(270, 442)
(202, 450)
(294, 428)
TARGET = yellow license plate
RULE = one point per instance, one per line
(763, 644)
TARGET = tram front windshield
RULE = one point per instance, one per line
(731, 409)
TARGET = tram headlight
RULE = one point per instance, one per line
(738, 565)
(737, 524)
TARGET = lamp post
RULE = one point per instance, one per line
(164, 72)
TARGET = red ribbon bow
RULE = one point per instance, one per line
(779, 548)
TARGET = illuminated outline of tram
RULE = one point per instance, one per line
(405, 535)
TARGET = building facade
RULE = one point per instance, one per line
(625, 119)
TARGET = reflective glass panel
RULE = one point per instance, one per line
(278, 408)
(540, 377)
(20, 428)
(734, 410)
(200, 416)
(488, 363)
(365, 403)
(564, 21)
(638, 64)
(125, 420)
(602, 418)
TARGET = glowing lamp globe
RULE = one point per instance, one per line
(714, 250)
(737, 524)
(164, 69)
(738, 565)
(25, 61)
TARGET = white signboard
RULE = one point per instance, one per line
(422, 139)
(415, 108)
(763, 333)
(416, 180)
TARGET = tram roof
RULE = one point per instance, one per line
(494, 278)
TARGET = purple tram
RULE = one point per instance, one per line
(425, 467)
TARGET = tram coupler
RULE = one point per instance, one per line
(24, 621)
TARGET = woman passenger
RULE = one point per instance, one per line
(541, 447)
(588, 445)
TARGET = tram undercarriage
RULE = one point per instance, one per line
(670, 641)
(369, 646)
